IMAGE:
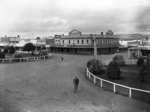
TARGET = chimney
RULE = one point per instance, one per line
(102, 33)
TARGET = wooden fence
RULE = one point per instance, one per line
(119, 88)
(13, 60)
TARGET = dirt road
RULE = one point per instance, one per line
(46, 86)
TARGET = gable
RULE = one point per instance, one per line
(109, 32)
(75, 33)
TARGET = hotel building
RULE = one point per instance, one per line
(76, 42)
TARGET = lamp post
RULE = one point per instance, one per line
(95, 48)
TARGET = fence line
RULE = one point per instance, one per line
(127, 62)
(11, 60)
(95, 78)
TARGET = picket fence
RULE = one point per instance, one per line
(115, 87)
(12, 60)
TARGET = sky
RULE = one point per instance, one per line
(32, 18)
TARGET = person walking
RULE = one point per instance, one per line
(76, 83)
(62, 58)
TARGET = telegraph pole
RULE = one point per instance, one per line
(95, 48)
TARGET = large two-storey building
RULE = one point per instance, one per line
(12, 40)
(76, 42)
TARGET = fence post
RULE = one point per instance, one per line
(130, 93)
(94, 80)
(20, 59)
(101, 83)
(114, 88)
(3, 60)
(44, 57)
(89, 75)
(10, 60)
(87, 72)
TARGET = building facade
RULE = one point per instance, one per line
(76, 42)
(142, 50)
(12, 40)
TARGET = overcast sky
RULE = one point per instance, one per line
(49, 17)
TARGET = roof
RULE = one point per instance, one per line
(84, 46)
(130, 37)
(74, 31)
(3, 44)
(109, 31)
(20, 45)
(87, 36)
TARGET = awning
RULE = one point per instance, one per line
(19, 45)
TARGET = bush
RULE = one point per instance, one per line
(113, 70)
(140, 61)
(95, 66)
(119, 60)
(144, 72)
(43, 53)
(17, 55)
(148, 61)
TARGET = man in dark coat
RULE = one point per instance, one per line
(62, 58)
(76, 83)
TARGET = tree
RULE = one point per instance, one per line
(2, 54)
(113, 70)
(38, 38)
(11, 50)
(29, 47)
(6, 49)
(95, 66)
(119, 60)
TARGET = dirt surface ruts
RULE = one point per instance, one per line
(47, 86)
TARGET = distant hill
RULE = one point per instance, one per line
(130, 36)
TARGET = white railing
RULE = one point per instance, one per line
(12, 60)
(101, 81)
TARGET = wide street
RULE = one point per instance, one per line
(47, 86)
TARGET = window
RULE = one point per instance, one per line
(77, 41)
(100, 41)
(87, 41)
(62, 41)
(69, 41)
(82, 41)
(103, 41)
